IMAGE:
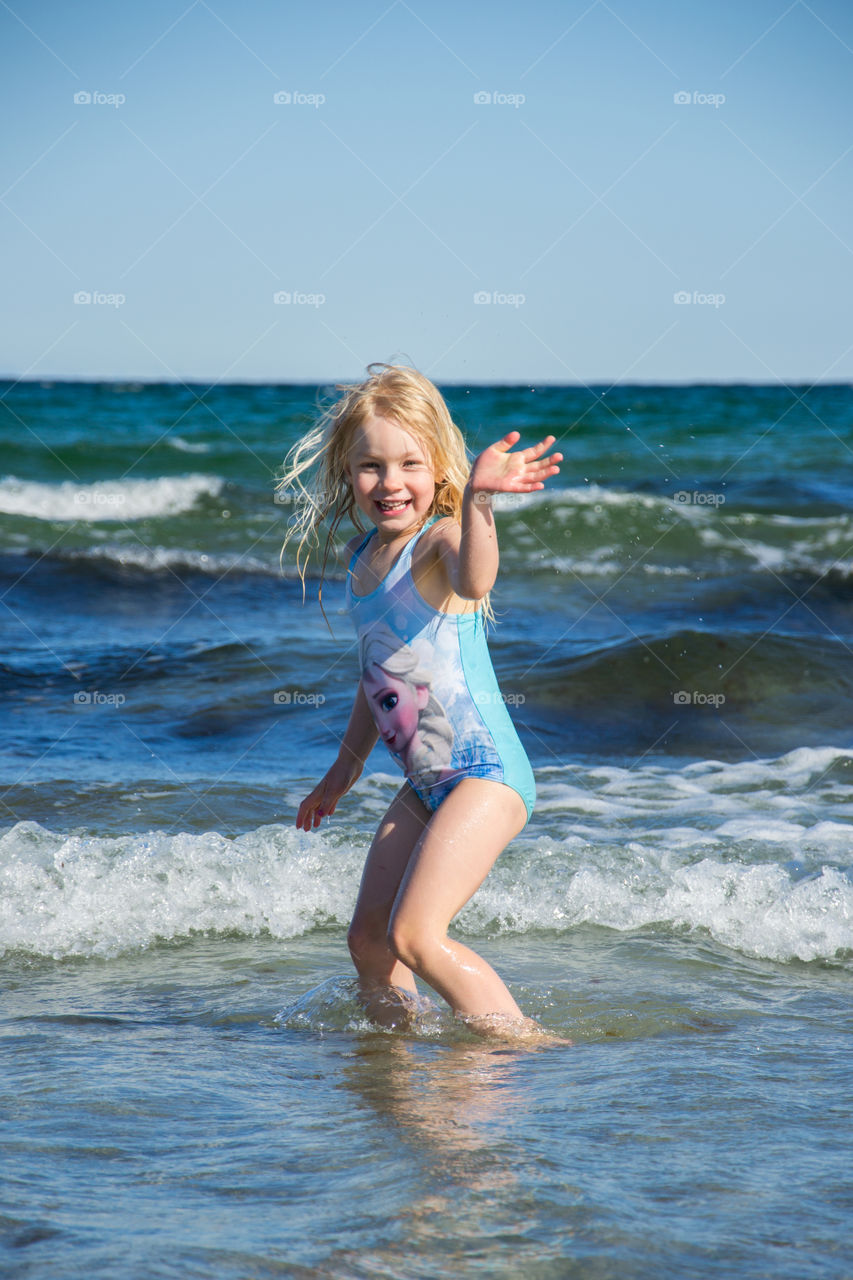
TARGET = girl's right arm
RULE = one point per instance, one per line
(356, 745)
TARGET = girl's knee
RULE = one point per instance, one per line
(410, 942)
(360, 939)
(366, 938)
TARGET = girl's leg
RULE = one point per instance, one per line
(379, 969)
(452, 858)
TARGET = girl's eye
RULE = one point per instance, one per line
(389, 702)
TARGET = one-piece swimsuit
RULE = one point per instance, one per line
(431, 687)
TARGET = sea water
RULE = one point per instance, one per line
(190, 1086)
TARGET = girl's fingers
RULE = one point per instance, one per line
(306, 815)
(314, 809)
(536, 450)
(505, 444)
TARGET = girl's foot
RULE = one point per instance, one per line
(521, 1031)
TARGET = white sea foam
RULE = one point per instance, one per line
(763, 911)
(755, 855)
(187, 446)
(589, 495)
(155, 559)
(803, 795)
(692, 507)
(757, 541)
(106, 499)
(101, 896)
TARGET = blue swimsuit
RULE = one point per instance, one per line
(431, 688)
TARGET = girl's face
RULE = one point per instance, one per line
(392, 478)
(396, 706)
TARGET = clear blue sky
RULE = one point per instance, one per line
(386, 208)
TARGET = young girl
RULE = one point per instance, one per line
(388, 456)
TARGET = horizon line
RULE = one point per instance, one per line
(47, 380)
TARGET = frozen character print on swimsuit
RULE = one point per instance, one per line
(410, 720)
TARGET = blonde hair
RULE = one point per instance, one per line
(382, 647)
(405, 397)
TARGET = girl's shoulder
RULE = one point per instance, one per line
(441, 536)
(444, 529)
(432, 567)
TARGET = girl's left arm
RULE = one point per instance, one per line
(478, 556)
(495, 470)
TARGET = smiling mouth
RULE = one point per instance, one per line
(392, 507)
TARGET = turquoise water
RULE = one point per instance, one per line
(190, 1088)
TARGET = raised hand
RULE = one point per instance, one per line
(498, 470)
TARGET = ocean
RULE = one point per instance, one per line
(189, 1085)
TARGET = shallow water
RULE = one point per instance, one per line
(201, 1109)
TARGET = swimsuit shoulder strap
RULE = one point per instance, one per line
(404, 560)
(355, 555)
(402, 565)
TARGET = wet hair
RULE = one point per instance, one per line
(315, 477)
